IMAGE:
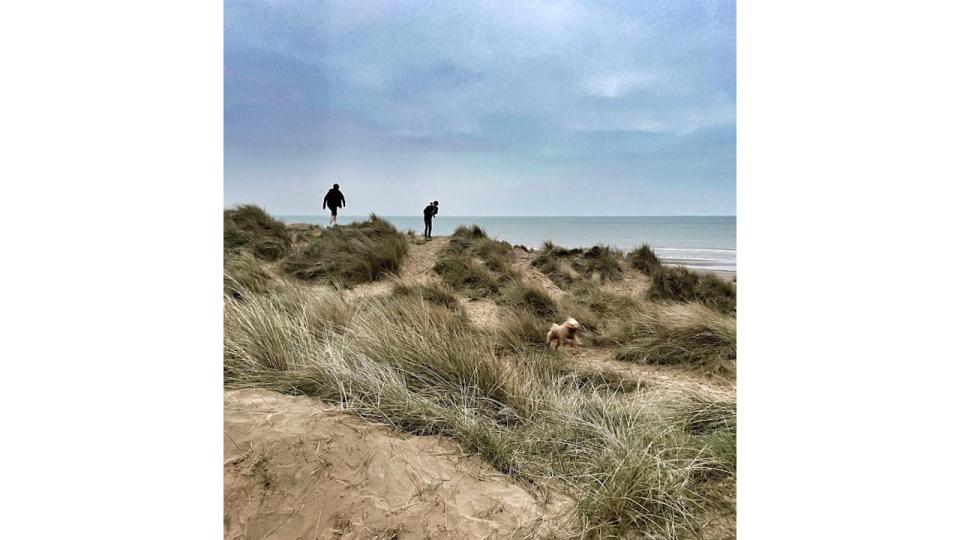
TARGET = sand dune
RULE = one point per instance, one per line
(297, 468)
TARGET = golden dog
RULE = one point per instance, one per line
(564, 334)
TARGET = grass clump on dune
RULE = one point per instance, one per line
(594, 307)
(521, 329)
(683, 334)
(678, 284)
(349, 254)
(570, 267)
(474, 263)
(518, 295)
(425, 347)
(602, 261)
(528, 315)
(462, 273)
(681, 285)
(303, 232)
(638, 465)
(714, 421)
(438, 296)
(473, 242)
(644, 259)
(249, 226)
(549, 261)
(605, 379)
(242, 273)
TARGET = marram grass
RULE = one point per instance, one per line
(635, 462)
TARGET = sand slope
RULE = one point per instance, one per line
(297, 468)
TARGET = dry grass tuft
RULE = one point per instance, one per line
(473, 263)
(601, 261)
(596, 263)
(249, 226)
(637, 464)
(683, 334)
(644, 259)
(466, 275)
(432, 294)
(242, 273)
(520, 330)
(518, 295)
(681, 285)
(594, 307)
(349, 254)
(678, 284)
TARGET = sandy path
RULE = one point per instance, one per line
(296, 468)
(418, 266)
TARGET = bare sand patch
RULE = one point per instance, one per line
(297, 468)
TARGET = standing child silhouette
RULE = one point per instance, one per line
(334, 200)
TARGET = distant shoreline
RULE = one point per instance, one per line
(696, 265)
(286, 217)
(725, 275)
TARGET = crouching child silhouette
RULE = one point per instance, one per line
(428, 213)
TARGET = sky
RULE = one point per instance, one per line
(491, 107)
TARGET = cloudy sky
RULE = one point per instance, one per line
(492, 107)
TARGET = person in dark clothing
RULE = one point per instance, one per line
(334, 200)
(428, 213)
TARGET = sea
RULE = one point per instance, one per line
(707, 242)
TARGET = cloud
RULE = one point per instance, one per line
(617, 84)
(466, 82)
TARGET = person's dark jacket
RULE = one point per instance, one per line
(430, 211)
(334, 199)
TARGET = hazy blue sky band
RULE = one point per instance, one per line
(494, 108)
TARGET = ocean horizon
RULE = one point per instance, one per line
(707, 242)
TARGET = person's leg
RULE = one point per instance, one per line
(426, 228)
(430, 228)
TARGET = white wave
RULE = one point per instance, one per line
(708, 250)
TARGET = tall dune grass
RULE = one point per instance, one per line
(570, 267)
(243, 273)
(644, 259)
(436, 295)
(474, 263)
(595, 307)
(641, 463)
(519, 295)
(683, 334)
(466, 275)
(349, 254)
(678, 284)
(520, 330)
(249, 226)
